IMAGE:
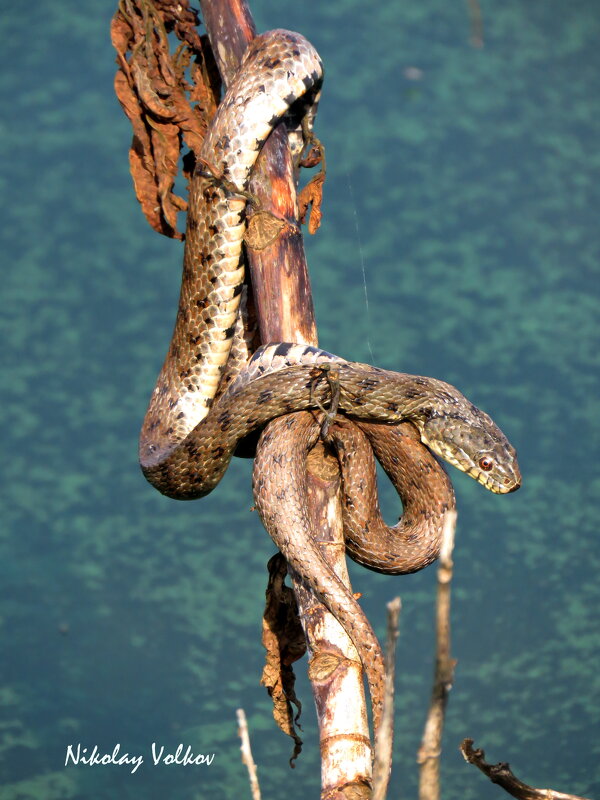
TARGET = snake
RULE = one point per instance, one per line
(212, 391)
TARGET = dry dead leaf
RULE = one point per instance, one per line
(262, 230)
(283, 639)
(311, 197)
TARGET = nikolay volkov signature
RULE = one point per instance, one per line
(183, 756)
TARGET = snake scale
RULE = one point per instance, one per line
(212, 391)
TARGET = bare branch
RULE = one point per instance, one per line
(476, 20)
(501, 774)
(247, 753)
(431, 744)
(335, 669)
(281, 291)
(383, 746)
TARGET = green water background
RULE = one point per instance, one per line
(471, 199)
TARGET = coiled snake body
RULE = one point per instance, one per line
(209, 396)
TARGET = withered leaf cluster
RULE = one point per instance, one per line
(283, 639)
(169, 98)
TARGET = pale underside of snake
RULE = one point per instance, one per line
(209, 395)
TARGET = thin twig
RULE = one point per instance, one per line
(431, 744)
(383, 746)
(502, 775)
(247, 753)
(476, 20)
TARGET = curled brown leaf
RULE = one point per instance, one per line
(283, 639)
(263, 228)
(311, 198)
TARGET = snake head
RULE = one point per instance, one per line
(477, 446)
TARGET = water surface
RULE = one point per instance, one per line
(464, 182)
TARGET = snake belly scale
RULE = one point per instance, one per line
(208, 396)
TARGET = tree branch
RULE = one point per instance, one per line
(382, 764)
(501, 774)
(431, 744)
(281, 290)
(247, 758)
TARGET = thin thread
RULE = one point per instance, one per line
(362, 265)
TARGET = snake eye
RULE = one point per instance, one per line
(486, 463)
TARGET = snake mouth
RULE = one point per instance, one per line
(511, 486)
(493, 485)
(501, 489)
